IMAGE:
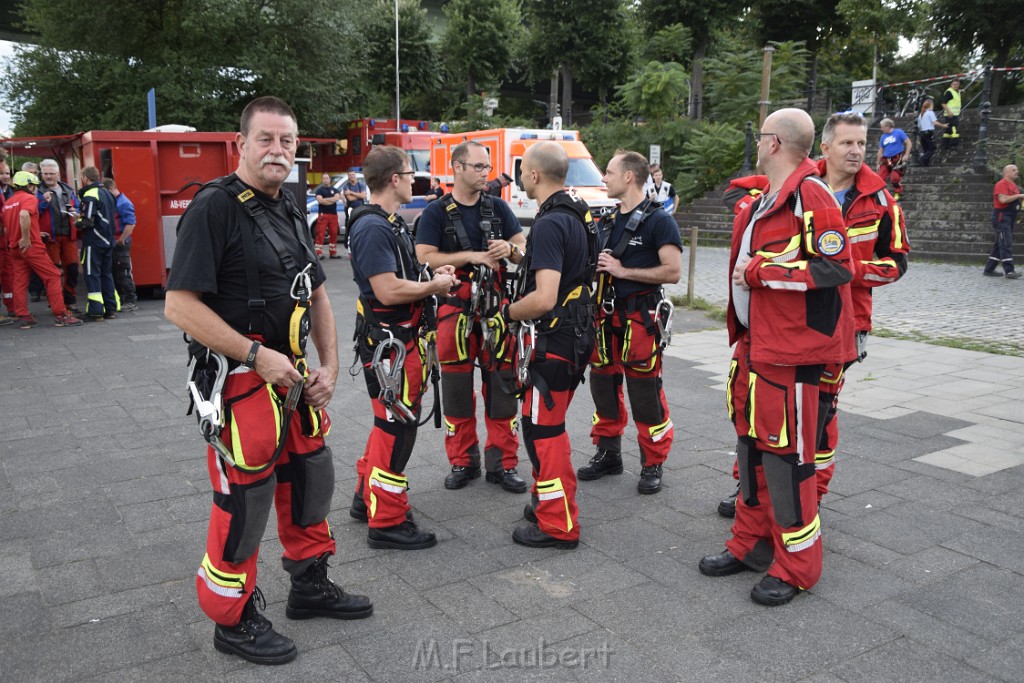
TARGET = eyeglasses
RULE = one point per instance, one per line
(758, 136)
(479, 168)
(405, 173)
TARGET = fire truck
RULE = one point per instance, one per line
(159, 171)
(349, 152)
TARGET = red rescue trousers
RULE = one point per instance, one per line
(327, 223)
(298, 485)
(6, 276)
(64, 253)
(553, 383)
(380, 471)
(885, 170)
(628, 348)
(774, 409)
(38, 261)
(460, 349)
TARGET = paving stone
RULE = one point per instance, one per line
(1004, 661)
(1000, 547)
(905, 660)
(931, 564)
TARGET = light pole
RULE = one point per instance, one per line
(398, 96)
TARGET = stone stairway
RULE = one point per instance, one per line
(947, 205)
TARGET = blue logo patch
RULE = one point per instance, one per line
(831, 243)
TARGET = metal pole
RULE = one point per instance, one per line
(766, 82)
(398, 95)
(748, 147)
(810, 96)
(693, 265)
(981, 149)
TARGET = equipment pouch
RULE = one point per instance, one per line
(314, 422)
(312, 478)
(768, 412)
(254, 421)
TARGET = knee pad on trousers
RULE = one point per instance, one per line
(457, 394)
(249, 506)
(501, 405)
(645, 399)
(783, 477)
(532, 433)
(605, 391)
(405, 441)
(312, 480)
(747, 460)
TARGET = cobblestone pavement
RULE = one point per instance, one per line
(104, 498)
(932, 301)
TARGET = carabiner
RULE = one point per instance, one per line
(390, 379)
(524, 351)
(663, 313)
(302, 285)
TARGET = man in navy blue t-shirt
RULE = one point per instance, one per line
(893, 153)
(327, 198)
(477, 234)
(641, 253)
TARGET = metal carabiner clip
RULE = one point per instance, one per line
(524, 351)
(390, 379)
(302, 285)
(663, 313)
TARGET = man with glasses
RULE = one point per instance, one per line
(479, 235)
(790, 313)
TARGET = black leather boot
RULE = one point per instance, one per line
(462, 474)
(773, 591)
(359, 512)
(604, 462)
(509, 480)
(531, 535)
(727, 507)
(404, 536)
(253, 638)
(313, 594)
(650, 479)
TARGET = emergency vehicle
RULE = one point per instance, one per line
(159, 171)
(349, 152)
(506, 147)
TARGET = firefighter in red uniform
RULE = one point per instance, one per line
(28, 255)
(395, 303)
(790, 313)
(246, 285)
(555, 338)
(479, 235)
(641, 252)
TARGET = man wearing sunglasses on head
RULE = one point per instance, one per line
(479, 235)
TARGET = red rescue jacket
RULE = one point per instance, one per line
(878, 237)
(799, 273)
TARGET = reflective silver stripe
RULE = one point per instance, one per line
(806, 544)
(794, 286)
(392, 488)
(551, 496)
(219, 589)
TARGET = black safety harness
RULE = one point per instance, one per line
(381, 327)
(207, 368)
(658, 326)
(574, 310)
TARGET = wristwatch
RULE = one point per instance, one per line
(250, 361)
(513, 250)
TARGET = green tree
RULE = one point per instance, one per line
(588, 39)
(658, 91)
(481, 40)
(205, 59)
(997, 28)
(734, 81)
(701, 18)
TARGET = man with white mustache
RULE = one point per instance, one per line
(246, 283)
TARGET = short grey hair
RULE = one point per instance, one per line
(48, 163)
(886, 123)
(852, 118)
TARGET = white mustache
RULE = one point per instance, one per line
(274, 159)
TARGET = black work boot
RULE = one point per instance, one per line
(404, 536)
(313, 594)
(509, 480)
(462, 474)
(650, 479)
(604, 462)
(253, 638)
(531, 535)
(359, 512)
(727, 507)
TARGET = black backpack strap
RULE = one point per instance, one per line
(639, 215)
(405, 252)
(455, 235)
(490, 222)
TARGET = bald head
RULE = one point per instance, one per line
(550, 160)
(1010, 172)
(795, 129)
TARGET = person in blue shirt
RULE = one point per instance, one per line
(893, 153)
(124, 283)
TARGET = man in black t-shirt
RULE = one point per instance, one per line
(242, 248)
(477, 234)
(327, 198)
(554, 294)
(642, 252)
(390, 313)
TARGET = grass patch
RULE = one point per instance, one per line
(1000, 348)
(711, 310)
